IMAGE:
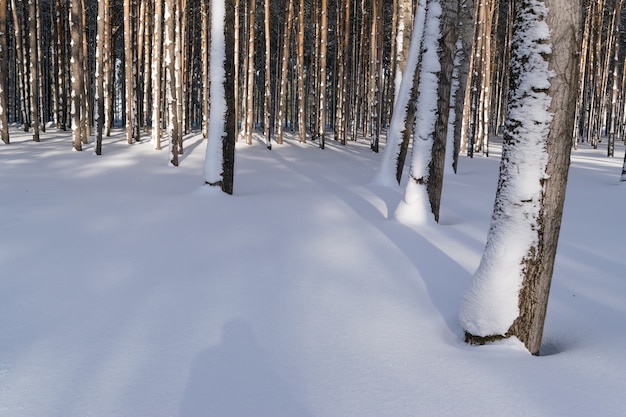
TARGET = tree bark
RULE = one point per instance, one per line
(78, 77)
(220, 151)
(103, 11)
(529, 217)
(157, 121)
(4, 119)
(34, 70)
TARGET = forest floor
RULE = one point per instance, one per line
(127, 288)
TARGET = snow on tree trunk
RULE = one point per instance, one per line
(508, 296)
(4, 120)
(220, 151)
(386, 174)
(414, 207)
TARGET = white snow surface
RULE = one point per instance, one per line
(127, 289)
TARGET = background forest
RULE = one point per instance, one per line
(312, 67)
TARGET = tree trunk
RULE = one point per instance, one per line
(521, 246)
(130, 72)
(103, 20)
(4, 119)
(267, 105)
(282, 96)
(78, 85)
(250, 78)
(34, 70)
(300, 65)
(157, 66)
(170, 68)
(322, 77)
(220, 151)
(403, 116)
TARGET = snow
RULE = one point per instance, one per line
(126, 290)
(491, 304)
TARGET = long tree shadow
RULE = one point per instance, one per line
(236, 379)
(443, 277)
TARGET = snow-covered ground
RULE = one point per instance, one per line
(129, 289)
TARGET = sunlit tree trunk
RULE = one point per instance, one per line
(170, 69)
(300, 65)
(157, 73)
(267, 104)
(250, 77)
(22, 68)
(322, 73)
(518, 261)
(465, 27)
(79, 134)
(103, 11)
(282, 96)
(206, 79)
(132, 128)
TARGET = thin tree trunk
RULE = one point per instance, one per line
(4, 119)
(322, 78)
(129, 71)
(250, 78)
(170, 67)
(157, 121)
(267, 106)
(103, 10)
(282, 97)
(77, 95)
(300, 65)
